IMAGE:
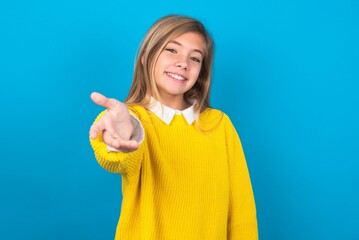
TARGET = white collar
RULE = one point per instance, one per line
(166, 114)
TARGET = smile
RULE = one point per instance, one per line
(175, 76)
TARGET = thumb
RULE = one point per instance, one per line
(102, 100)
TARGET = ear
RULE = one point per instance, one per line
(142, 59)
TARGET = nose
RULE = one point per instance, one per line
(182, 63)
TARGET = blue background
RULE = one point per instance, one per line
(286, 72)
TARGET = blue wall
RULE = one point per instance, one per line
(286, 72)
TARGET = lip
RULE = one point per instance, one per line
(174, 73)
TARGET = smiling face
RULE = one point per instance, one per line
(178, 67)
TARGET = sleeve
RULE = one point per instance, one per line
(126, 164)
(242, 220)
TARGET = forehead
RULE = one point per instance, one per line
(190, 41)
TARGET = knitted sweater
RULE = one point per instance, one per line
(184, 182)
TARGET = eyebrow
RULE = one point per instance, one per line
(179, 44)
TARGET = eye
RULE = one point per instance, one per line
(195, 59)
(171, 50)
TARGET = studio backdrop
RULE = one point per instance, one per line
(286, 73)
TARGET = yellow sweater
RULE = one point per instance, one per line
(184, 182)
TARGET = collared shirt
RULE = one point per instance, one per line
(166, 113)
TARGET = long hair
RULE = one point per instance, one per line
(162, 31)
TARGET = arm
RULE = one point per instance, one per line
(113, 128)
(242, 220)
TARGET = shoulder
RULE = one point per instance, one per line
(214, 115)
(212, 118)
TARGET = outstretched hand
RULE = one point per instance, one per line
(115, 124)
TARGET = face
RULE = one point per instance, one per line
(178, 66)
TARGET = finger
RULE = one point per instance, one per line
(123, 146)
(110, 128)
(96, 128)
(105, 127)
(100, 100)
(129, 146)
(109, 140)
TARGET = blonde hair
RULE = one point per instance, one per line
(162, 31)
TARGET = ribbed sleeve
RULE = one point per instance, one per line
(242, 221)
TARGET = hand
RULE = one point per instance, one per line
(115, 124)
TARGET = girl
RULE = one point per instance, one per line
(184, 174)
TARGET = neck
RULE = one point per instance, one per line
(175, 102)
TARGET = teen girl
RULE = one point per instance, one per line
(184, 174)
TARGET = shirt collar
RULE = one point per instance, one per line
(166, 114)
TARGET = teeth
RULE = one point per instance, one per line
(175, 76)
